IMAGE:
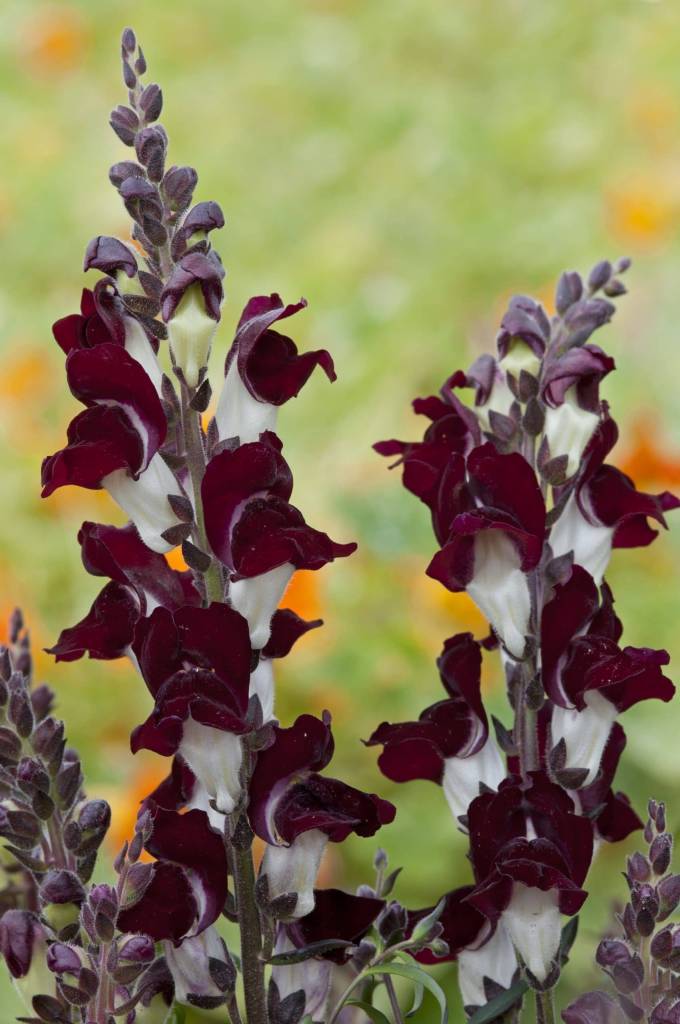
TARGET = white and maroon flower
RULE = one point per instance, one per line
(611, 812)
(605, 510)
(141, 580)
(191, 306)
(286, 629)
(256, 533)
(297, 811)
(187, 884)
(115, 442)
(494, 540)
(484, 953)
(192, 965)
(450, 743)
(570, 389)
(434, 468)
(589, 678)
(530, 854)
(104, 319)
(196, 664)
(263, 370)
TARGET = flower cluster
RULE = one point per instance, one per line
(526, 513)
(204, 639)
(643, 963)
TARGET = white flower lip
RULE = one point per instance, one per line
(145, 500)
(500, 589)
(294, 868)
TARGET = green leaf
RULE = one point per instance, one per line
(419, 977)
(569, 933)
(497, 1006)
(296, 956)
(418, 993)
(424, 926)
(376, 1015)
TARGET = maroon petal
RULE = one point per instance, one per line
(287, 628)
(336, 915)
(268, 362)
(121, 554)
(572, 606)
(417, 750)
(331, 806)
(582, 368)
(107, 374)
(107, 630)
(168, 908)
(460, 670)
(624, 676)
(462, 924)
(100, 440)
(109, 254)
(525, 319)
(615, 501)
(195, 268)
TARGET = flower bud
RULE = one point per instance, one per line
(61, 886)
(646, 906)
(639, 868)
(110, 255)
(665, 948)
(393, 921)
(660, 853)
(64, 959)
(137, 949)
(22, 938)
(191, 304)
(178, 187)
(668, 892)
(592, 1008)
(125, 123)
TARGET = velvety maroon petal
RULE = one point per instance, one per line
(580, 367)
(188, 840)
(417, 750)
(615, 501)
(305, 746)
(268, 362)
(526, 319)
(100, 321)
(202, 695)
(336, 915)
(107, 374)
(109, 254)
(410, 757)
(100, 440)
(460, 670)
(120, 553)
(233, 477)
(332, 807)
(507, 484)
(195, 268)
(624, 676)
(461, 922)
(287, 628)
(167, 910)
(572, 606)
(161, 735)
(107, 630)
(176, 789)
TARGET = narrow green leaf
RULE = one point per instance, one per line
(497, 1006)
(569, 933)
(418, 993)
(296, 956)
(376, 1015)
(419, 977)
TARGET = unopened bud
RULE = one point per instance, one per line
(668, 892)
(660, 853)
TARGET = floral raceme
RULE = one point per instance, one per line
(526, 511)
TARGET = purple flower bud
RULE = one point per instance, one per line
(611, 952)
(5, 664)
(48, 741)
(599, 275)
(103, 898)
(660, 853)
(593, 1008)
(178, 186)
(661, 817)
(569, 290)
(61, 886)
(21, 937)
(393, 921)
(125, 123)
(628, 977)
(109, 254)
(151, 102)
(150, 147)
(42, 699)
(668, 892)
(32, 777)
(20, 710)
(639, 868)
(63, 959)
(123, 170)
(129, 40)
(138, 949)
(646, 906)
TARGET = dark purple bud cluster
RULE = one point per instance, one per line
(644, 963)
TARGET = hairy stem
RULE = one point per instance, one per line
(545, 1007)
(394, 1002)
(252, 964)
(195, 454)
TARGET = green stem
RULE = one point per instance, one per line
(545, 1007)
(195, 455)
(394, 1002)
(252, 964)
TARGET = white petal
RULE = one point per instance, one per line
(145, 500)
(139, 347)
(500, 400)
(190, 333)
(592, 545)
(240, 415)
(294, 868)
(520, 357)
(262, 684)
(495, 960)
(584, 732)
(200, 801)
(568, 430)
(533, 921)
(312, 976)
(500, 588)
(258, 598)
(188, 964)
(462, 776)
(215, 758)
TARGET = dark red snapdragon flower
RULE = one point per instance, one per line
(256, 533)
(449, 744)
(530, 853)
(297, 811)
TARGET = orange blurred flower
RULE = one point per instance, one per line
(303, 595)
(55, 38)
(647, 458)
(149, 771)
(643, 209)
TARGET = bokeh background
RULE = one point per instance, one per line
(406, 165)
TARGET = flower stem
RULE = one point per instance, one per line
(394, 1002)
(252, 964)
(545, 1007)
(195, 455)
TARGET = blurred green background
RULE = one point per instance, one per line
(406, 165)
